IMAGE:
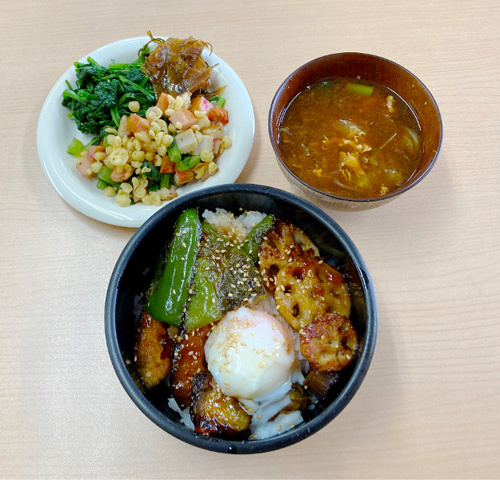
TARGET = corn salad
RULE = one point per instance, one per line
(147, 158)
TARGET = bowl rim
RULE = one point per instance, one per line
(283, 86)
(246, 446)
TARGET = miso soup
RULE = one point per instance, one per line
(350, 139)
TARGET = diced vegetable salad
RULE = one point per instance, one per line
(145, 145)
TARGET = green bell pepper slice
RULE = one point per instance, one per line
(169, 296)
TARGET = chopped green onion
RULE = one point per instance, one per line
(173, 152)
(165, 181)
(187, 163)
(101, 184)
(104, 174)
(219, 101)
(360, 89)
(75, 147)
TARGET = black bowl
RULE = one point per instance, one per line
(132, 276)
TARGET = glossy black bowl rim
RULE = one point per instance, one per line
(330, 195)
(249, 446)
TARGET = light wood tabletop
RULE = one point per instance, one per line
(429, 406)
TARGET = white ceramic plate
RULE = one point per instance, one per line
(56, 130)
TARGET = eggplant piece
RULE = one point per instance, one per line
(321, 383)
(299, 400)
(216, 414)
(189, 359)
(153, 351)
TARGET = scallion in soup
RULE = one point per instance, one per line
(351, 139)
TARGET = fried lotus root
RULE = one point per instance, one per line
(309, 289)
(283, 244)
(329, 343)
(214, 413)
(153, 351)
(189, 359)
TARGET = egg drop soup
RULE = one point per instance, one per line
(350, 139)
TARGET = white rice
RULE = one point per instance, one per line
(235, 228)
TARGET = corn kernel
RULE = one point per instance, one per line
(206, 156)
(99, 156)
(123, 199)
(164, 193)
(140, 192)
(162, 124)
(126, 187)
(111, 130)
(109, 150)
(143, 137)
(137, 144)
(200, 170)
(158, 137)
(135, 182)
(153, 113)
(155, 126)
(155, 199)
(149, 156)
(179, 103)
(195, 127)
(109, 191)
(145, 170)
(151, 147)
(169, 112)
(96, 167)
(158, 160)
(147, 200)
(167, 140)
(226, 142)
(200, 114)
(134, 106)
(119, 169)
(199, 136)
(178, 125)
(162, 150)
(171, 101)
(136, 164)
(143, 182)
(117, 142)
(172, 128)
(137, 157)
(186, 96)
(123, 127)
(212, 168)
(129, 145)
(118, 157)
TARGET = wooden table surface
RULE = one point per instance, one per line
(430, 404)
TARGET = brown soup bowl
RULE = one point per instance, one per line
(369, 68)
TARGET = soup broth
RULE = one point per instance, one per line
(350, 139)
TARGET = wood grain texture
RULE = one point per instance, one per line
(429, 407)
